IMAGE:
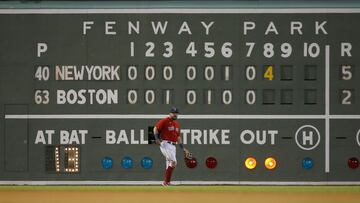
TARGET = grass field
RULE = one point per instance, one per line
(179, 194)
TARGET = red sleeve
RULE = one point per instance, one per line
(178, 127)
(159, 125)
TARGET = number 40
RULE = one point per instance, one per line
(42, 73)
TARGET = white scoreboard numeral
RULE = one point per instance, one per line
(132, 96)
(227, 97)
(209, 96)
(42, 97)
(168, 49)
(226, 50)
(346, 72)
(250, 97)
(312, 50)
(167, 96)
(191, 73)
(168, 73)
(268, 50)
(150, 51)
(250, 73)
(209, 49)
(42, 73)
(38, 97)
(209, 72)
(132, 72)
(251, 47)
(149, 72)
(191, 49)
(347, 97)
(150, 96)
(191, 97)
(132, 49)
(46, 97)
(286, 50)
(226, 73)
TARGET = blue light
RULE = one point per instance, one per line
(127, 162)
(307, 163)
(146, 162)
(107, 162)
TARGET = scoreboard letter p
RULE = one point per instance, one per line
(248, 25)
(41, 48)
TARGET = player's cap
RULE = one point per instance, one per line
(174, 110)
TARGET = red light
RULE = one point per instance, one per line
(191, 163)
(211, 162)
(353, 163)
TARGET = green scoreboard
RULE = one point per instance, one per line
(266, 96)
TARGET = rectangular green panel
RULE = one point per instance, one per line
(16, 140)
(248, 82)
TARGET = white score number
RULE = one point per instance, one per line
(41, 96)
(346, 73)
(42, 73)
(346, 97)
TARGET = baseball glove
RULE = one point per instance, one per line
(188, 155)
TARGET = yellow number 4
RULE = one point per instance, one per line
(269, 73)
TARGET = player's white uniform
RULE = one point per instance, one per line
(168, 149)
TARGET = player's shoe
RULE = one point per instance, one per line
(165, 184)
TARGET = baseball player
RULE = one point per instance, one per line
(167, 135)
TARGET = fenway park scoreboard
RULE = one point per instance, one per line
(266, 96)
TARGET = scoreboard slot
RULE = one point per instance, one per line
(286, 72)
(286, 96)
(268, 96)
(310, 73)
(310, 96)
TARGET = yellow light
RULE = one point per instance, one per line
(250, 163)
(270, 163)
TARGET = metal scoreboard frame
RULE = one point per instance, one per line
(51, 132)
